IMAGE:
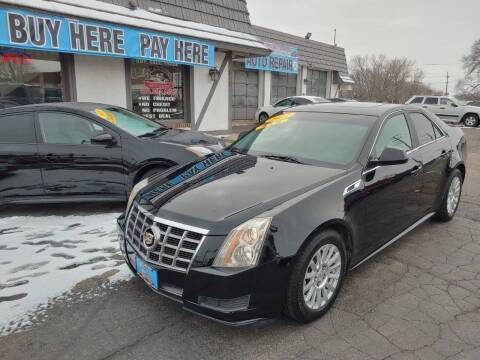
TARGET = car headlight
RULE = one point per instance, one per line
(199, 150)
(135, 190)
(243, 245)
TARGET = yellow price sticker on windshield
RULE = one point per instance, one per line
(276, 120)
(106, 115)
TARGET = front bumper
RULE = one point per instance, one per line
(230, 296)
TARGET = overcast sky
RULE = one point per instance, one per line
(427, 31)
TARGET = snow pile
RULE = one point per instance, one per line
(44, 259)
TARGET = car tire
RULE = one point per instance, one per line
(152, 171)
(262, 117)
(451, 197)
(471, 120)
(306, 298)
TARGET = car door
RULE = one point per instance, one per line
(448, 110)
(20, 174)
(435, 151)
(389, 202)
(73, 164)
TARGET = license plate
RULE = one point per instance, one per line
(147, 273)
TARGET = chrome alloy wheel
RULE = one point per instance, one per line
(322, 276)
(470, 120)
(453, 195)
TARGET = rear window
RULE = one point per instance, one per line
(431, 101)
(17, 129)
(417, 100)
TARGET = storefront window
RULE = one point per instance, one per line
(157, 90)
(29, 77)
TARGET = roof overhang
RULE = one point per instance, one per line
(343, 79)
(138, 18)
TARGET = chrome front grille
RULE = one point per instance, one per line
(177, 245)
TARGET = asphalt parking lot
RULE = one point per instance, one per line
(419, 299)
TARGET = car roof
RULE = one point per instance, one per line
(355, 108)
(83, 106)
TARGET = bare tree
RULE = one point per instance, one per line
(380, 79)
(469, 87)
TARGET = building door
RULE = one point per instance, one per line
(283, 85)
(245, 92)
(316, 83)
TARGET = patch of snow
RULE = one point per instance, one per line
(48, 258)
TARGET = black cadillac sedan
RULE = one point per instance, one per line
(63, 152)
(273, 223)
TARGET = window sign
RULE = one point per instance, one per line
(31, 30)
(157, 90)
(282, 59)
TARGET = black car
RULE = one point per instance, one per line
(273, 222)
(84, 151)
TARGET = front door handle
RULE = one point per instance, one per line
(416, 169)
(442, 108)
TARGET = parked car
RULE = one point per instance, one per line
(448, 109)
(265, 112)
(273, 222)
(84, 151)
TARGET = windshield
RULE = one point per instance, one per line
(128, 121)
(458, 102)
(308, 137)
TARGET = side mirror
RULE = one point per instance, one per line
(454, 105)
(103, 138)
(392, 156)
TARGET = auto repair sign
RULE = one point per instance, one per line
(282, 59)
(38, 31)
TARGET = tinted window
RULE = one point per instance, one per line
(63, 128)
(17, 128)
(431, 101)
(424, 128)
(395, 133)
(417, 100)
(301, 101)
(313, 138)
(284, 102)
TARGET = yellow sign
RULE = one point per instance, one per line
(106, 115)
(279, 119)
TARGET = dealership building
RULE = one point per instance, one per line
(185, 63)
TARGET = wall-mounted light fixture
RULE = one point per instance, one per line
(214, 74)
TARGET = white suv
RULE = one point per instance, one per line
(448, 109)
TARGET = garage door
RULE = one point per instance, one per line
(316, 83)
(245, 92)
(283, 85)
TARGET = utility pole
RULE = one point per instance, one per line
(446, 85)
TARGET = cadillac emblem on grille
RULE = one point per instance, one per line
(151, 236)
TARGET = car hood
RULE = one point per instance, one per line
(189, 138)
(233, 189)
(471, 108)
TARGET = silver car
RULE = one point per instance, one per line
(265, 112)
(448, 109)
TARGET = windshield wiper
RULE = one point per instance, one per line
(282, 158)
(154, 132)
